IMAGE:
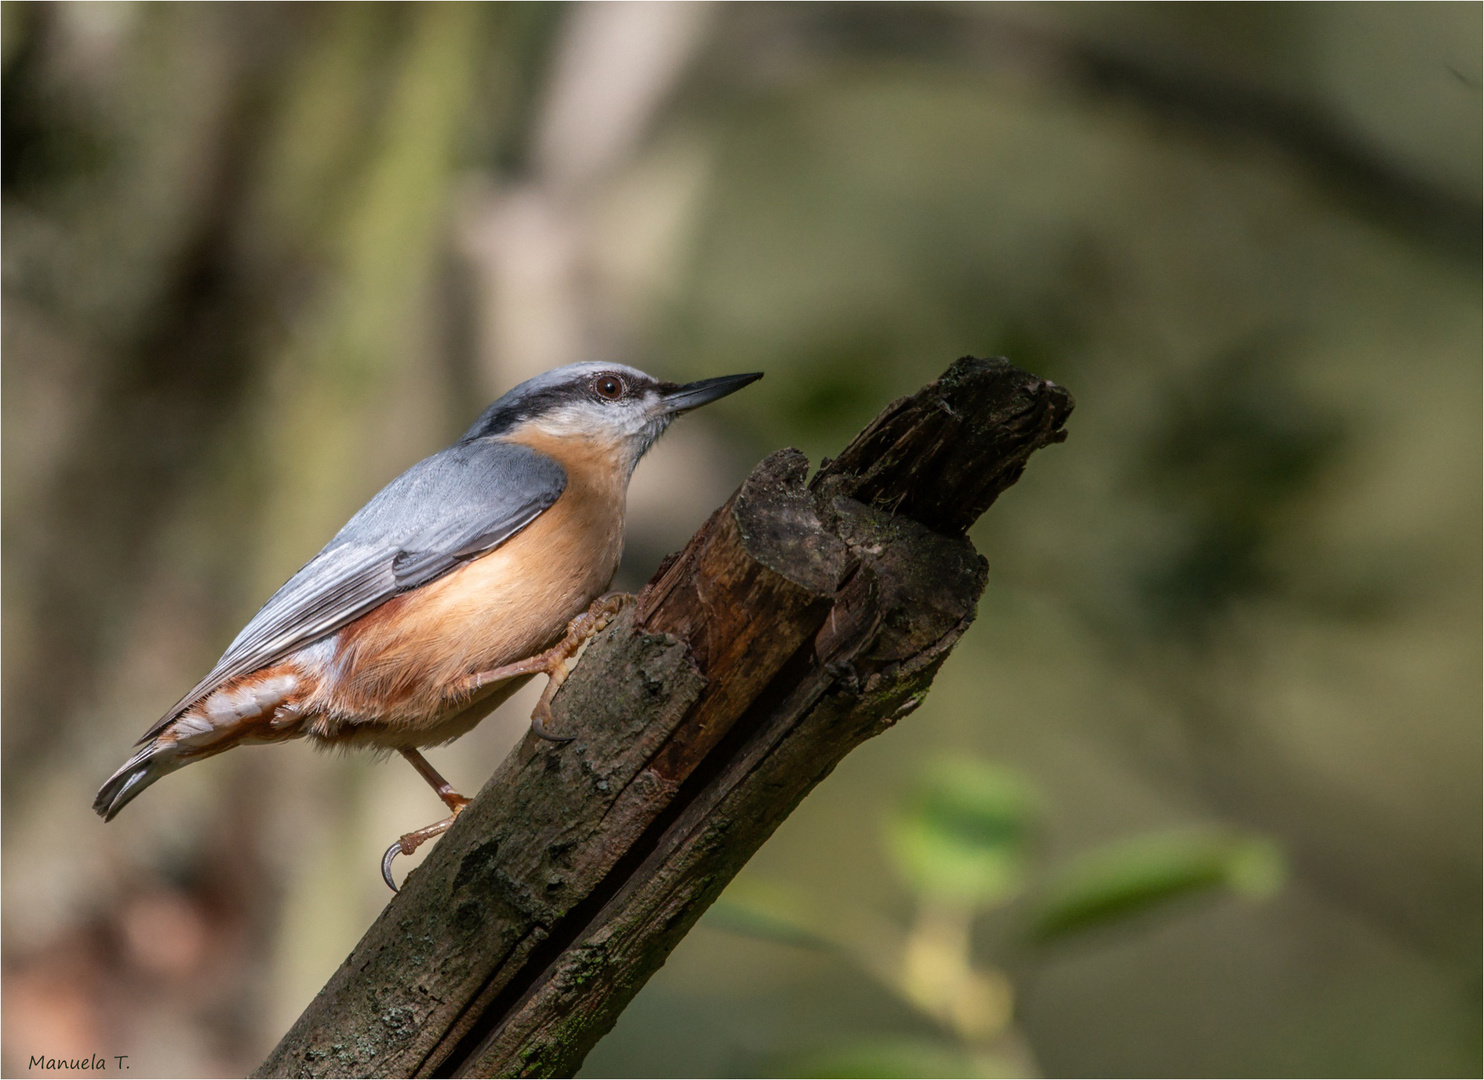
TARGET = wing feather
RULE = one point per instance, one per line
(442, 512)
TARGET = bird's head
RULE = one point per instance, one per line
(610, 404)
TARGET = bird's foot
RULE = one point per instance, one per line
(557, 661)
(410, 842)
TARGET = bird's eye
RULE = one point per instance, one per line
(608, 387)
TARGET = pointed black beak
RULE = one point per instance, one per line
(679, 399)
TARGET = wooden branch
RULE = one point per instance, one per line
(802, 619)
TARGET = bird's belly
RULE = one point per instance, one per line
(388, 679)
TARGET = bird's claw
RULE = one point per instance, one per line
(556, 661)
(541, 731)
(386, 866)
(410, 842)
(580, 631)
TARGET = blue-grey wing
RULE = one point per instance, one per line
(449, 508)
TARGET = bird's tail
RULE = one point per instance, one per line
(150, 762)
(244, 711)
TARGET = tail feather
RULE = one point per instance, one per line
(238, 712)
(148, 764)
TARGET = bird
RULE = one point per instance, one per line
(476, 569)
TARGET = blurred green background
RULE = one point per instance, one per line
(1199, 793)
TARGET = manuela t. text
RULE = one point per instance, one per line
(87, 1064)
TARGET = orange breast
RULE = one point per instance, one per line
(388, 680)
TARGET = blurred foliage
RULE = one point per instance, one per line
(962, 839)
(964, 835)
(1234, 455)
(1108, 886)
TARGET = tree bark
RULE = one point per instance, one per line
(803, 618)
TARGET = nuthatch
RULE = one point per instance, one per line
(472, 571)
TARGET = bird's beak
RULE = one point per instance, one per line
(679, 399)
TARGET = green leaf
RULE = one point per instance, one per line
(1131, 877)
(962, 836)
